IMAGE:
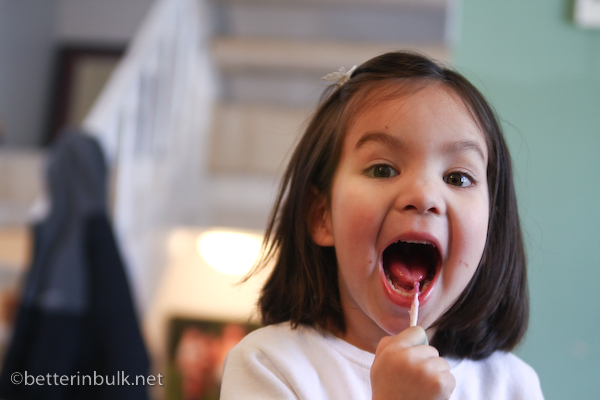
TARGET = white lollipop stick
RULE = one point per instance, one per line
(414, 308)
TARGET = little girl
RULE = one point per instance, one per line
(401, 182)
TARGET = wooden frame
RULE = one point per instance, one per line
(196, 352)
(81, 70)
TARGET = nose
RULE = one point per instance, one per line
(422, 195)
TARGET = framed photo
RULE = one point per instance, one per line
(81, 71)
(197, 349)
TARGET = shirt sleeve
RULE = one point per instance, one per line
(250, 374)
(502, 376)
(526, 383)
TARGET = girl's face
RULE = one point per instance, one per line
(409, 203)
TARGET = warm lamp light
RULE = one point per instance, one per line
(229, 252)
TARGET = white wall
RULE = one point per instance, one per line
(29, 33)
(26, 38)
(100, 20)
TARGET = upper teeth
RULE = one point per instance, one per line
(418, 242)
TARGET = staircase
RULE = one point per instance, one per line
(269, 56)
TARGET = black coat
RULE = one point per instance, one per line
(76, 316)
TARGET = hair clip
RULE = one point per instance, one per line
(340, 77)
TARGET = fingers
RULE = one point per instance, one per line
(405, 367)
(437, 381)
(414, 336)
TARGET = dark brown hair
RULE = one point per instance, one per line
(492, 312)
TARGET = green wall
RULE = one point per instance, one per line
(542, 74)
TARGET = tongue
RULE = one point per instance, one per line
(406, 275)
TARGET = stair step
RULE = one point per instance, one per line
(283, 72)
(253, 138)
(377, 21)
(344, 3)
(240, 53)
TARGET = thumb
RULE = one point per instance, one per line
(414, 336)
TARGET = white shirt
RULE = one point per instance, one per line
(277, 362)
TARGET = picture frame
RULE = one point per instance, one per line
(80, 73)
(196, 351)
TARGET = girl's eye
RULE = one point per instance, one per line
(381, 171)
(458, 179)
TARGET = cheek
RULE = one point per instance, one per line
(353, 212)
(351, 225)
(480, 222)
(469, 236)
(476, 233)
(356, 220)
(470, 257)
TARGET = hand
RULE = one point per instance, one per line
(406, 367)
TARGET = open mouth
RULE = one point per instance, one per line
(407, 262)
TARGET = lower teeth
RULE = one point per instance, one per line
(402, 289)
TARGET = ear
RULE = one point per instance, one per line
(319, 218)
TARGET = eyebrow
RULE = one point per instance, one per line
(393, 141)
(464, 145)
(380, 137)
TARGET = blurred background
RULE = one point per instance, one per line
(197, 103)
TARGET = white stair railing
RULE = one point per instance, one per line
(153, 119)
